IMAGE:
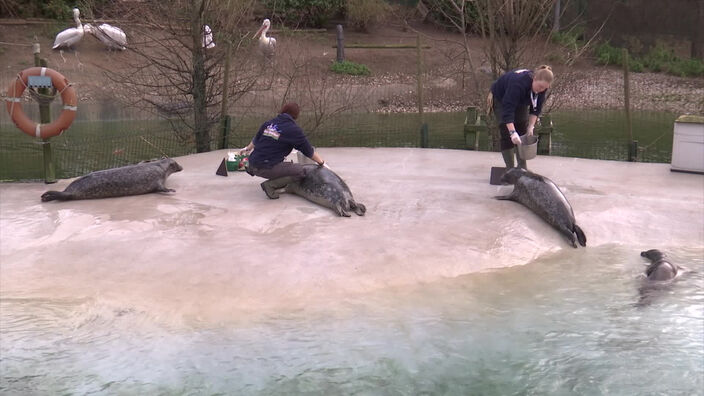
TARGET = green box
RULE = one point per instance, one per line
(232, 165)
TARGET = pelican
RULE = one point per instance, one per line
(266, 44)
(70, 36)
(207, 37)
(112, 36)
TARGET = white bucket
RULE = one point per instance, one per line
(302, 159)
(528, 148)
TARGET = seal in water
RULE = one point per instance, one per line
(142, 178)
(326, 188)
(542, 196)
(659, 277)
(659, 269)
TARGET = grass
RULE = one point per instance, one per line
(351, 68)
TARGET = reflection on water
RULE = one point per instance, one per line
(564, 324)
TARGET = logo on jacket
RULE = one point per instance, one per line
(272, 132)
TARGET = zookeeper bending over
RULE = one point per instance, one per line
(518, 98)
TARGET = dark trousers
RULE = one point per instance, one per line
(520, 121)
(282, 169)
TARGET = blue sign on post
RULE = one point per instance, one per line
(40, 81)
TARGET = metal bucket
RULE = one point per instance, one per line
(528, 148)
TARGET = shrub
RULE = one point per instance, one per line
(658, 59)
(310, 13)
(608, 55)
(571, 39)
(351, 68)
(363, 14)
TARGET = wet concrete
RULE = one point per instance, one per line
(218, 245)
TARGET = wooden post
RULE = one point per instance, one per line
(424, 135)
(45, 118)
(340, 44)
(424, 126)
(224, 118)
(627, 104)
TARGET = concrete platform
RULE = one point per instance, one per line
(218, 245)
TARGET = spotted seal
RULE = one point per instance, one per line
(542, 196)
(142, 178)
(659, 278)
(659, 269)
(326, 188)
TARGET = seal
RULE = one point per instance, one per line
(324, 187)
(544, 198)
(142, 178)
(659, 277)
(659, 268)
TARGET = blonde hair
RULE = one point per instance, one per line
(543, 73)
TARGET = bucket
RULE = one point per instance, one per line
(302, 159)
(528, 148)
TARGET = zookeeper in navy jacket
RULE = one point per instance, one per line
(518, 98)
(274, 141)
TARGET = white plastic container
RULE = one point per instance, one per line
(688, 144)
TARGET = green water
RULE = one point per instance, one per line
(105, 137)
(568, 323)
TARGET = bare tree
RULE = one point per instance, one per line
(508, 27)
(179, 72)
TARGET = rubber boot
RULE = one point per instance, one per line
(508, 158)
(272, 188)
(521, 162)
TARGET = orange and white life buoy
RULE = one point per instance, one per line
(31, 128)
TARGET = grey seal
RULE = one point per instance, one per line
(324, 187)
(142, 178)
(659, 269)
(542, 196)
(659, 277)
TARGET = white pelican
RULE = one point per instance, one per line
(70, 36)
(267, 45)
(112, 36)
(208, 37)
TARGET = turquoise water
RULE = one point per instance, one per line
(567, 323)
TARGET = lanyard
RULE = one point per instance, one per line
(534, 99)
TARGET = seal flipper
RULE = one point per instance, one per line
(580, 235)
(56, 195)
(341, 211)
(569, 234)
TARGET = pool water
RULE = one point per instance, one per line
(568, 323)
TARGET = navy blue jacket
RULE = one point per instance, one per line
(275, 140)
(514, 89)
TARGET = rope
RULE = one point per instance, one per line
(155, 147)
(643, 148)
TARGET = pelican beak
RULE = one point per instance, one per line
(259, 32)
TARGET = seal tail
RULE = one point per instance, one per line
(581, 238)
(55, 195)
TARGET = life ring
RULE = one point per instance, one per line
(31, 128)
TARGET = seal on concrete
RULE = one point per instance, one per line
(542, 196)
(326, 188)
(659, 269)
(142, 178)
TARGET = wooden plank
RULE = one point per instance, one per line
(384, 46)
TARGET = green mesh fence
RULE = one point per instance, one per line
(106, 136)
